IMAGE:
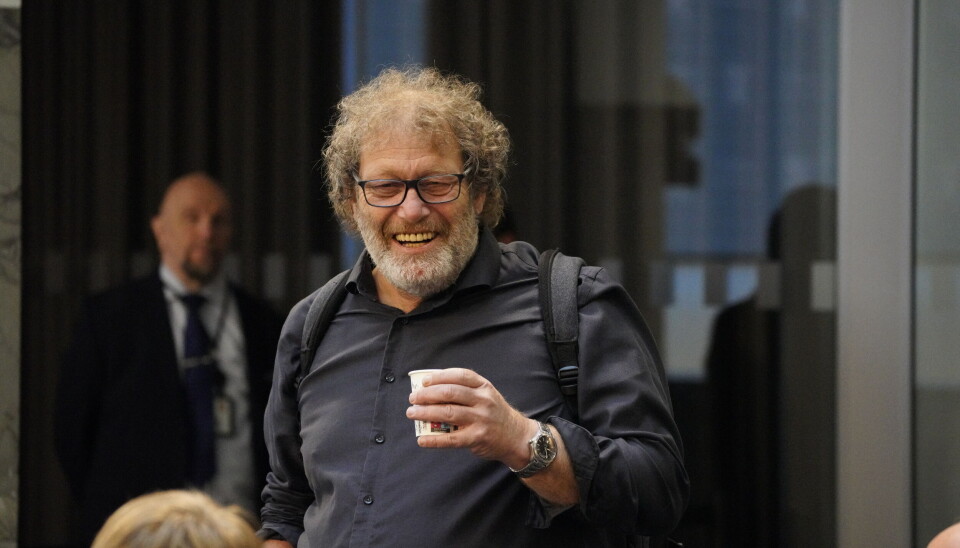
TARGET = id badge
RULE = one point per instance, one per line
(223, 416)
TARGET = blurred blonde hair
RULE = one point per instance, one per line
(177, 519)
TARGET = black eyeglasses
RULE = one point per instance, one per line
(432, 189)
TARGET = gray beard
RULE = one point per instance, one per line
(427, 275)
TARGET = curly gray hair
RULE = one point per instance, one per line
(427, 102)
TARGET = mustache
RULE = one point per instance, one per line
(397, 228)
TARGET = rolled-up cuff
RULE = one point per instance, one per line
(280, 532)
(584, 455)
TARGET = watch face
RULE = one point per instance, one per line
(545, 448)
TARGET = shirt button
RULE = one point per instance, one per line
(389, 377)
(368, 500)
(404, 321)
(378, 438)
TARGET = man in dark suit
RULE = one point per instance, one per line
(165, 383)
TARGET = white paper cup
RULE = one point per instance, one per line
(427, 428)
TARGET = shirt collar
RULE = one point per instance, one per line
(484, 268)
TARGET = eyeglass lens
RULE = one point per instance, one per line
(432, 190)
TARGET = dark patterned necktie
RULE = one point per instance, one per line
(199, 378)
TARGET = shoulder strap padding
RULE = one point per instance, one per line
(559, 278)
(322, 310)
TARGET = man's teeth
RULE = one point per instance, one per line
(415, 238)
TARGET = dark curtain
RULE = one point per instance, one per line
(119, 98)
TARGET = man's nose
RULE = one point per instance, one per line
(204, 228)
(413, 208)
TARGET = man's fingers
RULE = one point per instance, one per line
(444, 393)
(449, 413)
(443, 441)
(455, 375)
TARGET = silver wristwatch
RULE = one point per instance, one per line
(543, 449)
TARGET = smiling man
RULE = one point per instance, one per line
(421, 244)
(414, 164)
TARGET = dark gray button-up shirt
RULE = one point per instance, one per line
(346, 468)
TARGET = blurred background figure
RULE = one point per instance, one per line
(177, 519)
(763, 364)
(165, 383)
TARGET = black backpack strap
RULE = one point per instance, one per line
(322, 310)
(559, 278)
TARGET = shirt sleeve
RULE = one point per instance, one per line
(287, 494)
(625, 447)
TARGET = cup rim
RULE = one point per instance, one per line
(420, 371)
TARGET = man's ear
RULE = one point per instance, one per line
(156, 226)
(478, 202)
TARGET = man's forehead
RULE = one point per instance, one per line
(195, 192)
(408, 146)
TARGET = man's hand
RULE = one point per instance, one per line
(488, 425)
(276, 544)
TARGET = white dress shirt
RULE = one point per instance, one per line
(234, 481)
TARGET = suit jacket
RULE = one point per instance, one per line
(121, 419)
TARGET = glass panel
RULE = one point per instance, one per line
(751, 327)
(937, 270)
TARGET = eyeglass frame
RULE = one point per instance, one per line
(410, 183)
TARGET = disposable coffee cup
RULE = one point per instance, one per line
(428, 428)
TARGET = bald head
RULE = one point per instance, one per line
(193, 228)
